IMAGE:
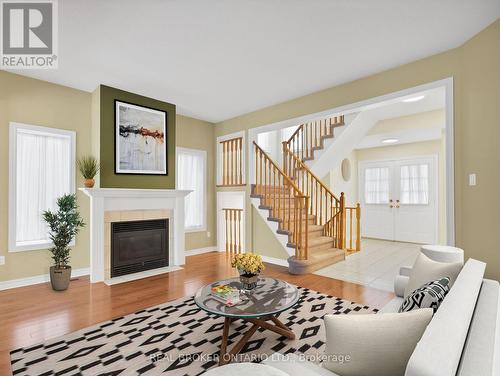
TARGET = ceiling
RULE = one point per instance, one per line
(222, 58)
(409, 131)
(433, 99)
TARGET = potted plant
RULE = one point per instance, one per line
(63, 224)
(89, 167)
(249, 266)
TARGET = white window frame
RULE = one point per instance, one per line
(203, 154)
(429, 171)
(363, 182)
(13, 130)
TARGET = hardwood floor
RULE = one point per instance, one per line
(33, 314)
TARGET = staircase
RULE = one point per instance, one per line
(310, 217)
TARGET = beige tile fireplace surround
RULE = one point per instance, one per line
(113, 216)
(108, 205)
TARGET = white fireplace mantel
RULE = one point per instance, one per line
(121, 199)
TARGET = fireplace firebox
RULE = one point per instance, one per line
(138, 245)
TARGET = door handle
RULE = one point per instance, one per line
(397, 204)
(390, 203)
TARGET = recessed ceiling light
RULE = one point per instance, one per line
(390, 141)
(414, 99)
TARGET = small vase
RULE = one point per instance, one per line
(89, 183)
(248, 280)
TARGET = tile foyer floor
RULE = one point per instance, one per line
(376, 265)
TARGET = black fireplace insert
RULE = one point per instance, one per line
(138, 245)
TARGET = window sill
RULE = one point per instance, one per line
(35, 246)
(195, 229)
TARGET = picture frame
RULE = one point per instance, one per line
(140, 139)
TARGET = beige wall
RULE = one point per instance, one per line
(198, 134)
(416, 149)
(266, 243)
(474, 67)
(337, 184)
(477, 144)
(35, 102)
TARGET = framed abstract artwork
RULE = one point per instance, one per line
(140, 140)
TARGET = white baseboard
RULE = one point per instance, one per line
(198, 251)
(275, 261)
(43, 278)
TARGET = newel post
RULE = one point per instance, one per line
(342, 221)
(285, 149)
(358, 227)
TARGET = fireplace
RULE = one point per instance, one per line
(139, 245)
(110, 205)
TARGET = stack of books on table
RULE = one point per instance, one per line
(226, 294)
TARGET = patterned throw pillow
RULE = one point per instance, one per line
(429, 295)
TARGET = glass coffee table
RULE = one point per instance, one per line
(258, 307)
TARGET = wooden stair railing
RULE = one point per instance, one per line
(309, 136)
(233, 229)
(232, 162)
(327, 209)
(352, 232)
(286, 202)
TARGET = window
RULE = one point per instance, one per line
(377, 185)
(414, 184)
(42, 164)
(191, 175)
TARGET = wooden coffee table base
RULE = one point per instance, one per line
(276, 326)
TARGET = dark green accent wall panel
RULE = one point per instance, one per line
(108, 178)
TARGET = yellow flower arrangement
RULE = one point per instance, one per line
(250, 263)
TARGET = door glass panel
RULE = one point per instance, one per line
(377, 185)
(414, 185)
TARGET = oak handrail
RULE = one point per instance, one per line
(287, 202)
(309, 135)
(232, 162)
(279, 169)
(303, 165)
(232, 218)
(324, 205)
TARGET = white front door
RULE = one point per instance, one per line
(399, 199)
(377, 215)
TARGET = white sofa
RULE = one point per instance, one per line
(463, 337)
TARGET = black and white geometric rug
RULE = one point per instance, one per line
(176, 338)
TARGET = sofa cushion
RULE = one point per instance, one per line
(429, 295)
(439, 350)
(425, 270)
(480, 348)
(245, 369)
(377, 345)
